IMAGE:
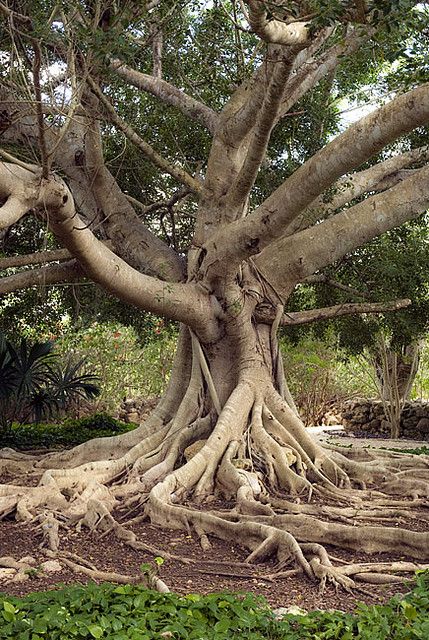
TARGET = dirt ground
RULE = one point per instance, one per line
(222, 569)
(192, 570)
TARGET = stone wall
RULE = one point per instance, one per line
(367, 417)
(136, 409)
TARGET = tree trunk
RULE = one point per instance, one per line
(395, 373)
(223, 429)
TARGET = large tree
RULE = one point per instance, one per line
(240, 73)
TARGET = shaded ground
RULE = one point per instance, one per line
(337, 435)
(222, 570)
(196, 571)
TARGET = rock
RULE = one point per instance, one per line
(409, 423)
(423, 425)
(374, 425)
(7, 574)
(51, 566)
(422, 412)
(20, 577)
(385, 426)
(368, 416)
(360, 417)
(133, 417)
(28, 560)
(293, 610)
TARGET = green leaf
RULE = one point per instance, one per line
(410, 612)
(8, 616)
(222, 626)
(8, 606)
(95, 631)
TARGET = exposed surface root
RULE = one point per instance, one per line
(153, 582)
(288, 496)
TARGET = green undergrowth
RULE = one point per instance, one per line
(129, 612)
(418, 451)
(68, 433)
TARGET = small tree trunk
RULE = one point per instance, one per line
(395, 374)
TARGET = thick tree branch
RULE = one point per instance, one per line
(292, 318)
(243, 108)
(327, 242)
(14, 192)
(132, 240)
(185, 303)
(310, 69)
(175, 171)
(66, 272)
(274, 31)
(40, 257)
(181, 302)
(379, 177)
(322, 278)
(242, 238)
(262, 129)
(239, 115)
(95, 191)
(167, 93)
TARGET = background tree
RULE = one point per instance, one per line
(250, 245)
(390, 344)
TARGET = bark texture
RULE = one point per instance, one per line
(227, 425)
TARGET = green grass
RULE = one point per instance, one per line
(68, 433)
(418, 451)
(133, 613)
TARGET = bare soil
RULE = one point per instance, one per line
(192, 570)
(196, 572)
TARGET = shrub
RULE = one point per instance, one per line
(127, 368)
(35, 384)
(69, 433)
(318, 379)
(128, 612)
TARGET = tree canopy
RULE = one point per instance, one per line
(191, 159)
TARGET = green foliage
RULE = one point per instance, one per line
(115, 354)
(419, 451)
(390, 267)
(421, 383)
(34, 384)
(133, 613)
(319, 378)
(68, 433)
(130, 612)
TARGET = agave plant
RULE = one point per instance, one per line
(7, 370)
(34, 385)
(68, 385)
(23, 374)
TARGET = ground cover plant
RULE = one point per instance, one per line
(252, 183)
(132, 612)
(67, 433)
